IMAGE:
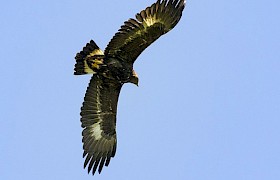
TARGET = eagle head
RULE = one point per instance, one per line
(134, 78)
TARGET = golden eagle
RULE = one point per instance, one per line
(111, 70)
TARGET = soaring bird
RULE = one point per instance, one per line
(111, 69)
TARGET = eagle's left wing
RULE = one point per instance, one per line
(136, 35)
(98, 117)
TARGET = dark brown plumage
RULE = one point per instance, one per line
(111, 70)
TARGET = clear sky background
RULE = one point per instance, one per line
(207, 108)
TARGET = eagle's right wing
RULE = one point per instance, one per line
(137, 34)
(98, 117)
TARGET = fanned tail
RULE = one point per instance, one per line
(89, 60)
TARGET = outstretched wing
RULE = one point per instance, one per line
(136, 35)
(98, 117)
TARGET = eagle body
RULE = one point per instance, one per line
(119, 70)
(113, 68)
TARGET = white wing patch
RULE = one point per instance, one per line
(150, 21)
(96, 131)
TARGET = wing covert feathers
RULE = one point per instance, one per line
(137, 34)
(98, 117)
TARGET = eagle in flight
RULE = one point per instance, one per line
(111, 69)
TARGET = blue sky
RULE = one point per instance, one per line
(207, 106)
